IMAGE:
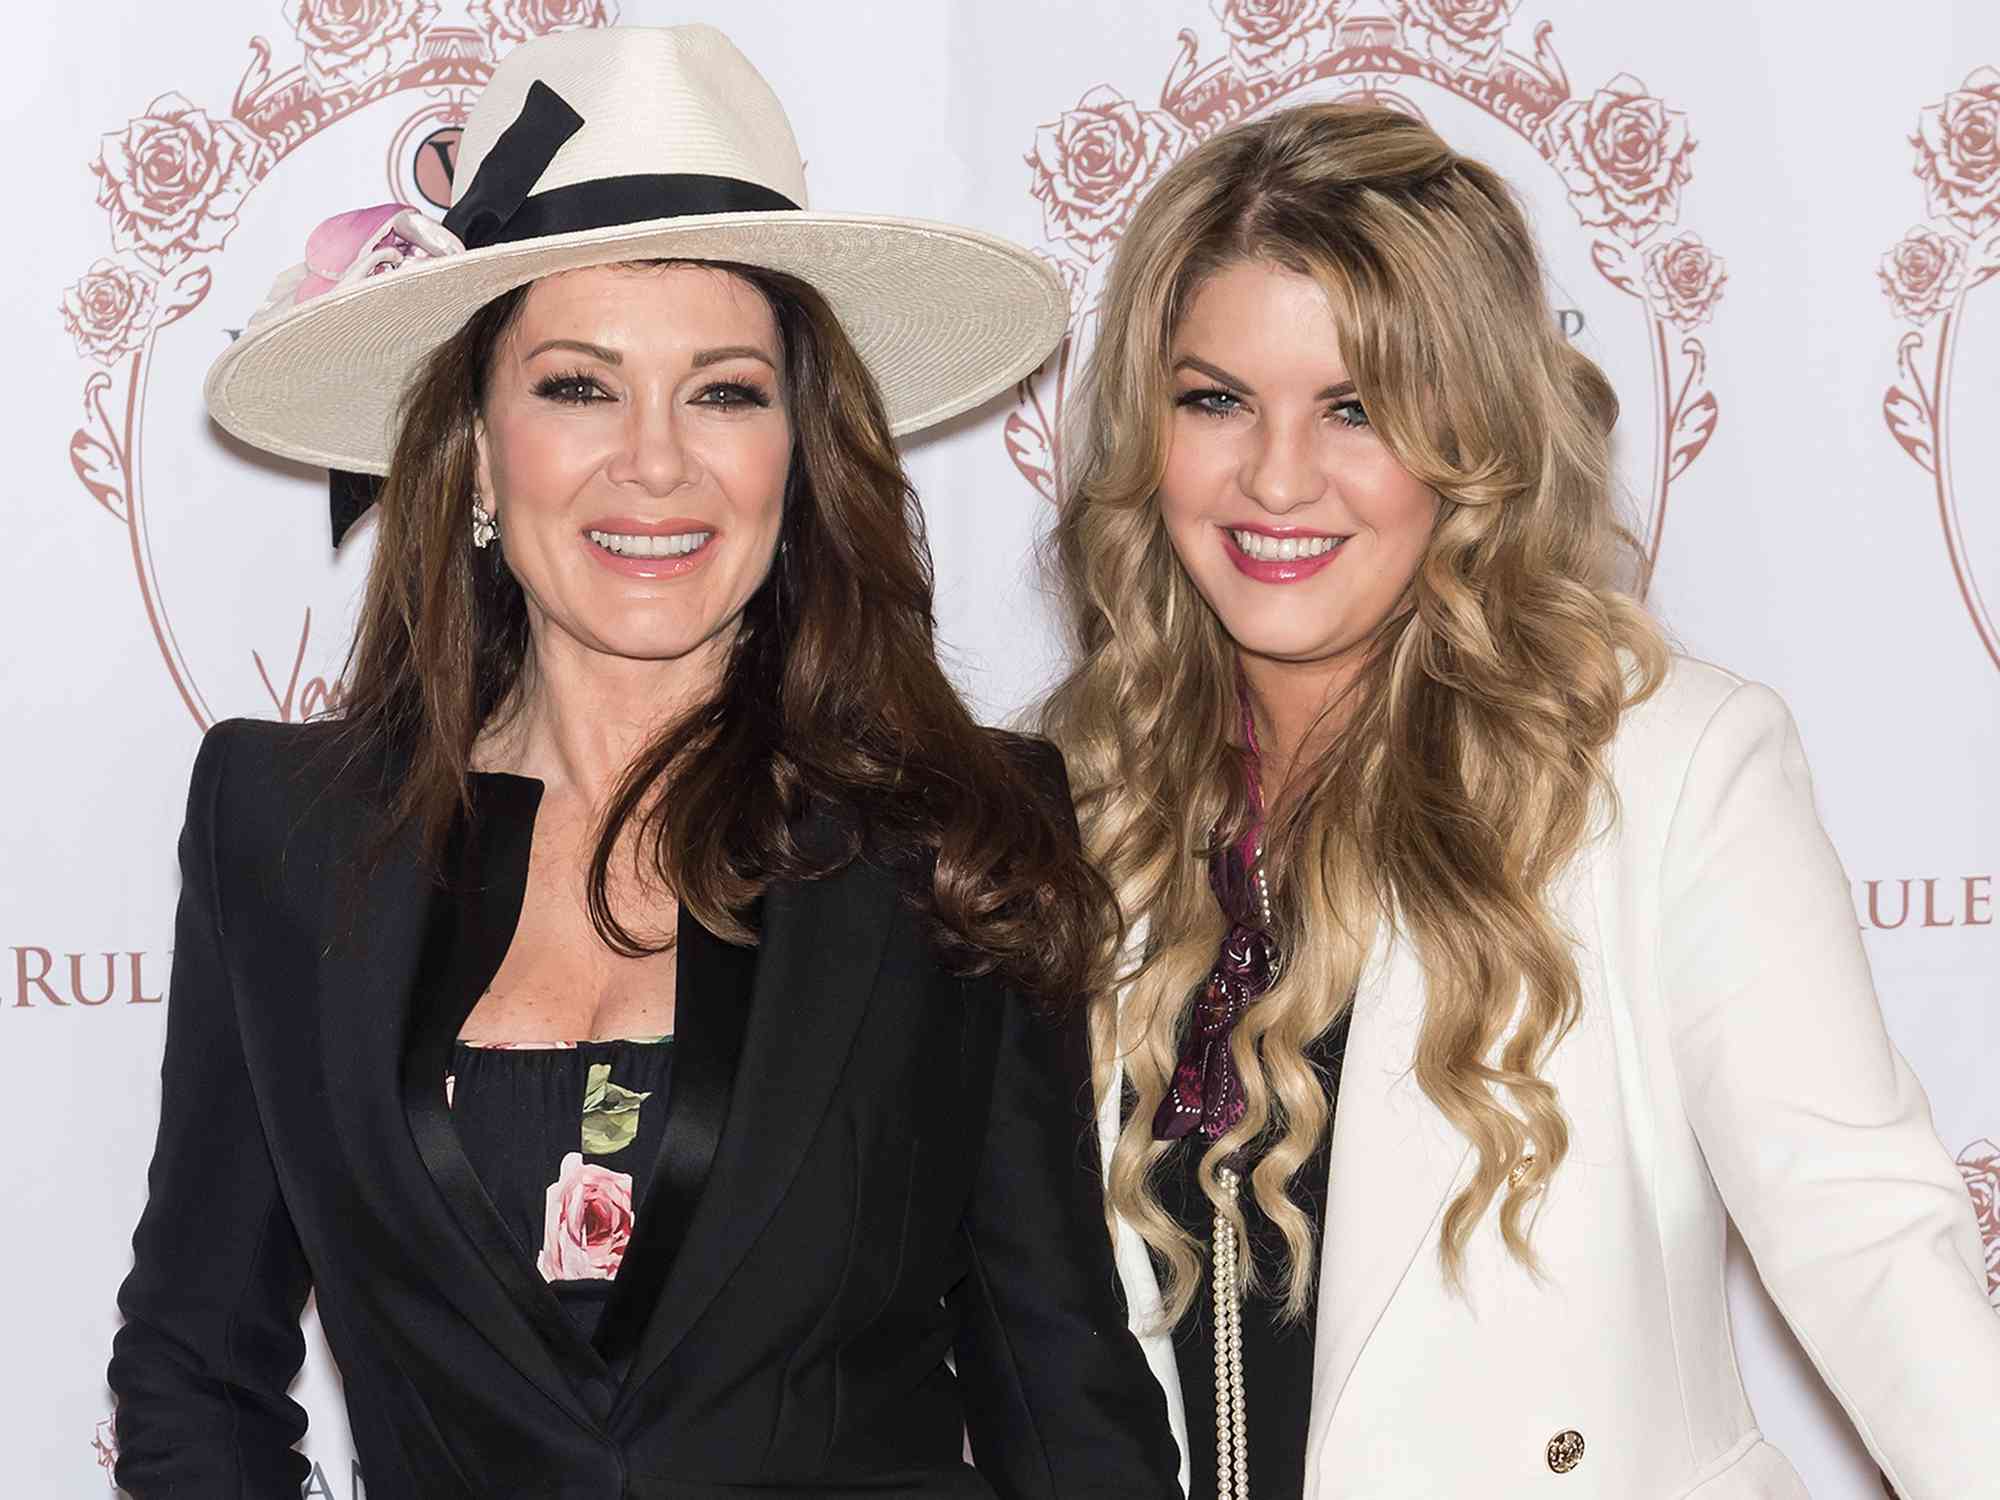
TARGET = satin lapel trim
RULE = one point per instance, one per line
(713, 985)
(1394, 1160)
(464, 938)
(819, 953)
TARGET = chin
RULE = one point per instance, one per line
(643, 641)
(1284, 639)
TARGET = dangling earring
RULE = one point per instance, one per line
(484, 528)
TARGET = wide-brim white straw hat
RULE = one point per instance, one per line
(616, 144)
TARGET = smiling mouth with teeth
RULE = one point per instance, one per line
(1261, 548)
(679, 545)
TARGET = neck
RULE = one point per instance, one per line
(581, 717)
(1298, 709)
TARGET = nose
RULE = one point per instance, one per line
(654, 453)
(1281, 469)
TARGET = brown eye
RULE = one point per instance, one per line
(574, 389)
(732, 394)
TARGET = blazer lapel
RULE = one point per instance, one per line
(1394, 1161)
(713, 987)
(401, 966)
(820, 946)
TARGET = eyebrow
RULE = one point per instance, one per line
(1216, 373)
(702, 359)
(709, 357)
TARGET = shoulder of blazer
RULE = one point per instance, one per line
(300, 761)
(1042, 763)
(284, 798)
(1655, 742)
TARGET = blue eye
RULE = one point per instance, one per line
(1213, 400)
(1350, 414)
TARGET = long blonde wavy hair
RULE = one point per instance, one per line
(1470, 759)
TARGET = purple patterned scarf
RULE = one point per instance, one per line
(1207, 1092)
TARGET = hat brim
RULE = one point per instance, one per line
(943, 317)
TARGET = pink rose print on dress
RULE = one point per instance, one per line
(1958, 153)
(588, 1222)
(1684, 279)
(1923, 273)
(1979, 1165)
(1094, 164)
(1623, 155)
(173, 181)
(1272, 36)
(109, 311)
(1457, 33)
(350, 42)
(508, 23)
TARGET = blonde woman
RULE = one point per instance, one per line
(1406, 803)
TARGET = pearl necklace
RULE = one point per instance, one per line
(1232, 1452)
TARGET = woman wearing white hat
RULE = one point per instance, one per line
(638, 1016)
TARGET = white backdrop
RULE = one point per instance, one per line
(1772, 227)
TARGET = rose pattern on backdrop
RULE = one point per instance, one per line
(1275, 36)
(1958, 153)
(508, 23)
(350, 42)
(1979, 1165)
(1684, 281)
(1457, 33)
(1622, 154)
(172, 182)
(109, 311)
(1092, 164)
(1923, 273)
(1926, 277)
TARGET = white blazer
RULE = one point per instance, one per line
(1730, 1060)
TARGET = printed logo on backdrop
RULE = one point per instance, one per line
(176, 181)
(1925, 903)
(1929, 277)
(1621, 155)
(1979, 1165)
(319, 1483)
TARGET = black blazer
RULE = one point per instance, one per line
(871, 1169)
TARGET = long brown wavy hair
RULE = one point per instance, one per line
(1470, 763)
(831, 696)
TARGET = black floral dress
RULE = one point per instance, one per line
(564, 1136)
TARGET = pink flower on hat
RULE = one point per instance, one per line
(340, 240)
